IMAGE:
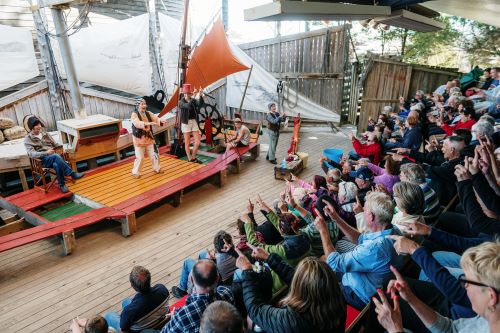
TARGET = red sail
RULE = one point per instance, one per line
(212, 60)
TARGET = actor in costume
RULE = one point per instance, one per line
(40, 144)
(189, 104)
(144, 142)
(274, 120)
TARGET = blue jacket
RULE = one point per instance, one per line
(412, 138)
(440, 277)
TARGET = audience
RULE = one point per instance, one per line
(340, 239)
(147, 309)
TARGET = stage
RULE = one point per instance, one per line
(108, 193)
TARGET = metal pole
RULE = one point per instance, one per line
(225, 19)
(69, 65)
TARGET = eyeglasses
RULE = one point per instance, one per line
(463, 282)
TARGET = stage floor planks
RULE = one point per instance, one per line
(113, 186)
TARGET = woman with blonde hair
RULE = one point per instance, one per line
(314, 302)
(481, 281)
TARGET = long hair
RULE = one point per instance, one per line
(288, 224)
(392, 166)
(315, 290)
(319, 181)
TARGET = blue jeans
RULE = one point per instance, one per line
(449, 260)
(61, 168)
(187, 267)
(273, 142)
(113, 318)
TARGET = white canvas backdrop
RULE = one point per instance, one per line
(114, 55)
(170, 32)
(262, 90)
(17, 56)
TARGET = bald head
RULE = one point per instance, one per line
(205, 274)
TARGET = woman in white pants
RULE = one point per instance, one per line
(143, 138)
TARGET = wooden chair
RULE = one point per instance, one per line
(40, 173)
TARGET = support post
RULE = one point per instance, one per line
(69, 242)
(129, 225)
(176, 200)
(69, 65)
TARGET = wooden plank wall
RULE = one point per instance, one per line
(32, 101)
(387, 80)
(313, 63)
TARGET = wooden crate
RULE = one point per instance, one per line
(294, 167)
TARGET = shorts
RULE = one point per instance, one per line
(191, 126)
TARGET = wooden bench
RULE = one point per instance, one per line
(65, 228)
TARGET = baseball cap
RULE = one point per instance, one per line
(362, 173)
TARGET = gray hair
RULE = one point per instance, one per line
(410, 198)
(483, 128)
(488, 118)
(414, 173)
(348, 190)
(380, 205)
(221, 317)
(387, 109)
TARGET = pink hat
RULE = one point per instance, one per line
(186, 88)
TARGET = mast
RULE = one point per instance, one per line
(184, 49)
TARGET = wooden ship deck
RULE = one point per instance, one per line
(42, 290)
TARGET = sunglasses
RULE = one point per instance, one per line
(463, 282)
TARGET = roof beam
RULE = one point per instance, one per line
(285, 10)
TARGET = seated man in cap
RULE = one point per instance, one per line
(364, 180)
(40, 144)
(242, 138)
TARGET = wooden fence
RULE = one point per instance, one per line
(35, 100)
(313, 62)
(384, 81)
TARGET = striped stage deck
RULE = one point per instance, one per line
(113, 186)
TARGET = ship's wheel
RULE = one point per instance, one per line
(209, 111)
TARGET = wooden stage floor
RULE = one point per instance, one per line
(40, 291)
(116, 185)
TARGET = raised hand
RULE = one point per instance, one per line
(461, 172)
(399, 286)
(388, 316)
(357, 207)
(258, 252)
(250, 206)
(403, 245)
(415, 228)
(242, 262)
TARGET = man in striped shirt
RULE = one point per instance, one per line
(414, 173)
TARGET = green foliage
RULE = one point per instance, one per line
(480, 43)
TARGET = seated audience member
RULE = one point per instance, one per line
(310, 229)
(371, 149)
(94, 325)
(467, 119)
(412, 136)
(363, 177)
(221, 317)
(431, 265)
(442, 176)
(316, 188)
(481, 130)
(482, 282)
(40, 144)
(225, 259)
(242, 138)
(295, 245)
(147, 309)
(348, 191)
(366, 267)
(266, 232)
(314, 302)
(204, 278)
(388, 176)
(415, 174)
(487, 79)
(410, 204)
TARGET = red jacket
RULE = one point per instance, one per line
(450, 128)
(368, 151)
